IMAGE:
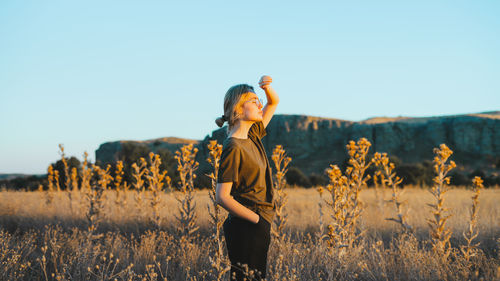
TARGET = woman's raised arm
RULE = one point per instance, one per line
(272, 99)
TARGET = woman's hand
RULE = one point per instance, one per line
(258, 219)
(265, 81)
(272, 99)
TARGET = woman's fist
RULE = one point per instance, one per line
(265, 81)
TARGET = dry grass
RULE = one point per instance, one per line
(92, 232)
(134, 241)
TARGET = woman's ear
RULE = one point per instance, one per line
(238, 113)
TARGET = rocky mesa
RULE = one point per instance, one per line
(315, 142)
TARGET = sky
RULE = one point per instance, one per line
(82, 73)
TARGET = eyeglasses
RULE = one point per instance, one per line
(258, 102)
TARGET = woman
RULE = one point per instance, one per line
(244, 184)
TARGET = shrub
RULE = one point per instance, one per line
(295, 176)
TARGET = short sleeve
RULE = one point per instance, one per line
(229, 164)
(257, 130)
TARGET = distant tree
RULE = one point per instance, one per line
(490, 181)
(73, 162)
(497, 180)
(28, 183)
(428, 173)
(202, 181)
(396, 160)
(130, 153)
(412, 174)
(169, 163)
(459, 179)
(297, 177)
(477, 173)
(318, 180)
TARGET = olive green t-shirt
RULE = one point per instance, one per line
(244, 162)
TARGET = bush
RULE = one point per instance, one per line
(295, 176)
(412, 174)
(458, 178)
(318, 180)
(73, 162)
(131, 153)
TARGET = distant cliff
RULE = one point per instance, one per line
(110, 152)
(315, 142)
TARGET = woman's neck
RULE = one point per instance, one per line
(240, 129)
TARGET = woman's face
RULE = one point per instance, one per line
(252, 108)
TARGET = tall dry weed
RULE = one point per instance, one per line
(70, 179)
(440, 234)
(470, 249)
(96, 197)
(186, 166)
(65, 167)
(345, 205)
(157, 180)
(281, 162)
(120, 185)
(49, 195)
(138, 174)
(85, 185)
(378, 180)
(218, 261)
(389, 178)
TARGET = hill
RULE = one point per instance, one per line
(315, 142)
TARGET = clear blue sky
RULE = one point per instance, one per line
(84, 73)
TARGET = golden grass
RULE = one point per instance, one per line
(92, 232)
(302, 209)
(26, 211)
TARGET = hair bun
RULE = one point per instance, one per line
(220, 121)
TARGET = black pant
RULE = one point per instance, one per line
(247, 243)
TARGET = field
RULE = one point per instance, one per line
(29, 225)
(101, 228)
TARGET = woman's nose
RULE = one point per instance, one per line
(260, 105)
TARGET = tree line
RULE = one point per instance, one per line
(419, 174)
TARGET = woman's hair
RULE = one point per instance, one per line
(234, 99)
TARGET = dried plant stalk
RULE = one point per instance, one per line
(219, 264)
(389, 178)
(118, 184)
(345, 204)
(49, 195)
(281, 162)
(85, 184)
(440, 234)
(96, 198)
(68, 187)
(470, 249)
(186, 166)
(66, 167)
(156, 179)
(138, 173)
